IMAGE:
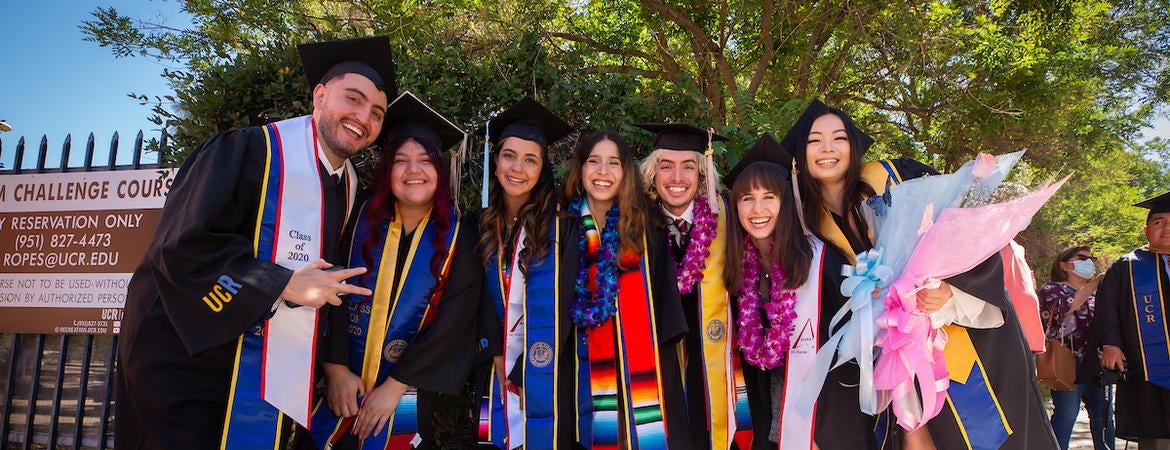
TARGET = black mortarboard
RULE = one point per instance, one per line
(409, 116)
(766, 148)
(370, 57)
(1156, 204)
(679, 136)
(797, 137)
(528, 120)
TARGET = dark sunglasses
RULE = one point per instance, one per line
(1082, 258)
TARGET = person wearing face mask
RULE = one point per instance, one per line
(1066, 308)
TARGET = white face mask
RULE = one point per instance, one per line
(1084, 269)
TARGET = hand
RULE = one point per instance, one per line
(312, 286)
(344, 388)
(919, 439)
(1090, 288)
(1112, 357)
(498, 362)
(933, 299)
(377, 408)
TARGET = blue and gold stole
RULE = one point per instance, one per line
(288, 234)
(380, 329)
(619, 381)
(537, 289)
(1149, 314)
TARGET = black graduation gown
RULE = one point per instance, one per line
(839, 422)
(1142, 409)
(1010, 364)
(491, 333)
(671, 326)
(439, 358)
(175, 356)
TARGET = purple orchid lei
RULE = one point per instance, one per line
(762, 348)
(590, 309)
(690, 268)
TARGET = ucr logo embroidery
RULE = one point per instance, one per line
(540, 354)
(716, 330)
(394, 350)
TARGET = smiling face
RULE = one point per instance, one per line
(348, 110)
(828, 152)
(601, 174)
(413, 178)
(758, 210)
(676, 179)
(518, 165)
(1157, 232)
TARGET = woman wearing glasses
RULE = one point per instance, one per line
(1066, 309)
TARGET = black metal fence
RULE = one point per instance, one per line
(58, 389)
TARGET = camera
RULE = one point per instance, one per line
(1107, 377)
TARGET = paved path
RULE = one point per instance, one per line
(1081, 439)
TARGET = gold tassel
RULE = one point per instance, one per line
(712, 176)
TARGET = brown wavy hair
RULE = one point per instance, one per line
(792, 250)
(537, 213)
(632, 201)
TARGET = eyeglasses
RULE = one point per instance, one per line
(1080, 257)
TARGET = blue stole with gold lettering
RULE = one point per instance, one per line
(1150, 316)
(541, 308)
(380, 330)
(288, 234)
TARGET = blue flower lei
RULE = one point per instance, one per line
(591, 309)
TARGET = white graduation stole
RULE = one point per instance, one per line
(796, 429)
(290, 338)
(515, 341)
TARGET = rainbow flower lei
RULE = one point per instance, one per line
(762, 348)
(590, 309)
(690, 269)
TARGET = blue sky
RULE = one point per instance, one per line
(53, 83)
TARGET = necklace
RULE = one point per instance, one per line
(764, 348)
(690, 268)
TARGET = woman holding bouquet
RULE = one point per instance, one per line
(785, 286)
(626, 307)
(990, 402)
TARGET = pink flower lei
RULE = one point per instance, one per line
(764, 348)
(690, 269)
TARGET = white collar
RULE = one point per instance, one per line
(688, 215)
(340, 171)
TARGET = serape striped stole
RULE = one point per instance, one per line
(535, 424)
(380, 329)
(619, 381)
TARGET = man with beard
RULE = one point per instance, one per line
(680, 175)
(218, 340)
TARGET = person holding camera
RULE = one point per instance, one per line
(1129, 331)
(1066, 309)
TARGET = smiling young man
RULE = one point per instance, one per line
(254, 217)
(1129, 329)
(679, 175)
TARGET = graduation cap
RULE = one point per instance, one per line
(369, 57)
(407, 116)
(1156, 204)
(681, 136)
(528, 119)
(797, 138)
(768, 149)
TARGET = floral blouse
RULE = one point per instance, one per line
(1074, 328)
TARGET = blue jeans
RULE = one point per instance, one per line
(1099, 405)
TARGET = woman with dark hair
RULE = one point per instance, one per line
(386, 355)
(785, 289)
(626, 307)
(974, 308)
(1066, 309)
(529, 251)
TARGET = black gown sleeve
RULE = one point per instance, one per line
(440, 357)
(910, 169)
(203, 238)
(670, 320)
